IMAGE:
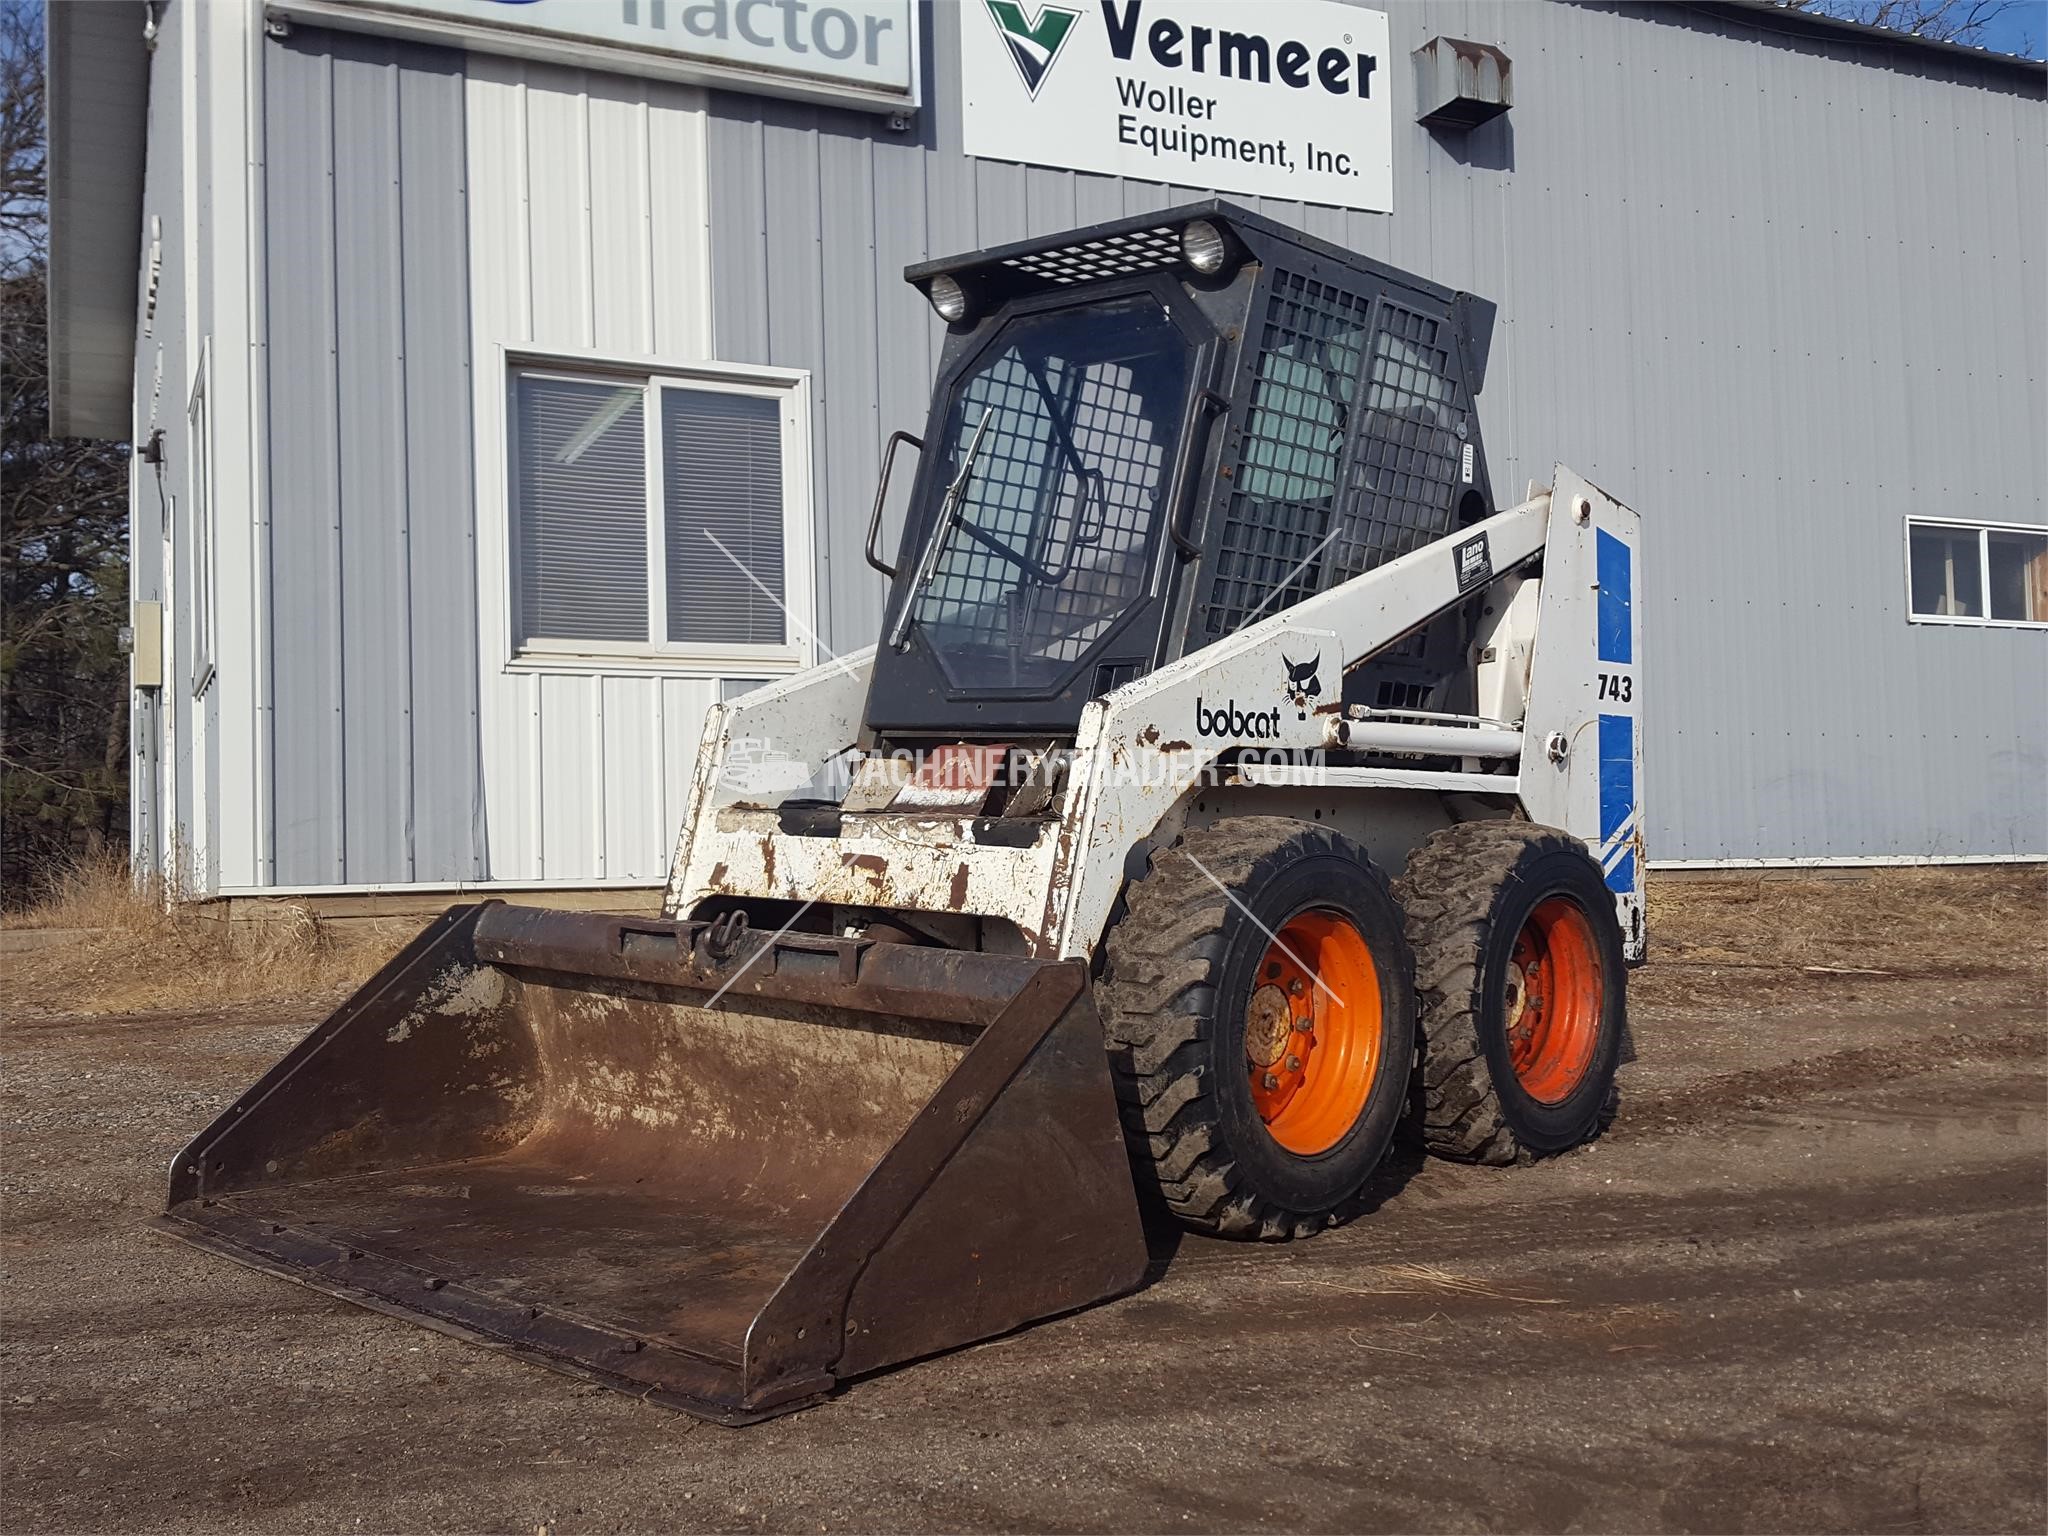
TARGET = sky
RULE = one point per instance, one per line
(2023, 29)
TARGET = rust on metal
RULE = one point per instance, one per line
(715, 1167)
(957, 777)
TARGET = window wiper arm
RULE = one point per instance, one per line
(942, 534)
(1090, 478)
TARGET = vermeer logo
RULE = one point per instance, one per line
(1033, 45)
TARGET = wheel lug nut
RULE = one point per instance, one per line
(1294, 1063)
(1297, 986)
(1269, 1082)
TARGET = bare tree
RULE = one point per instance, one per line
(1944, 21)
(63, 536)
(22, 223)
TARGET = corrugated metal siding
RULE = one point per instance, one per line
(177, 814)
(1778, 293)
(586, 228)
(373, 617)
(155, 811)
(205, 709)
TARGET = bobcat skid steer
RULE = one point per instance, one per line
(1071, 896)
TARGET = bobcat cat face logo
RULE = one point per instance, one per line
(1303, 684)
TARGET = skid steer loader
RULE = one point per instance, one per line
(1069, 897)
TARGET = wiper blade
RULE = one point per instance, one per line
(942, 535)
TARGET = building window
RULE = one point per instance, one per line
(1976, 573)
(659, 515)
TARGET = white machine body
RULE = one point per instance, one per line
(1236, 728)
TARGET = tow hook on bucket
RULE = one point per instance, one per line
(719, 940)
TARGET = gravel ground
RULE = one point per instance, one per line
(1799, 1286)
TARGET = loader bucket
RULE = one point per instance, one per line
(554, 1134)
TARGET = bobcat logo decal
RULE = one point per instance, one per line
(1303, 683)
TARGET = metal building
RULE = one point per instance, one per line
(469, 365)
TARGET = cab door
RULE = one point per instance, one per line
(1039, 563)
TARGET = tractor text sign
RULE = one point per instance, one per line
(852, 53)
(1279, 98)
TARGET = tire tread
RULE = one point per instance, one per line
(1448, 892)
(1163, 960)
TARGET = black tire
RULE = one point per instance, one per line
(1468, 892)
(1181, 966)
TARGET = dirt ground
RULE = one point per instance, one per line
(1799, 1286)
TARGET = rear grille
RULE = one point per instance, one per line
(1285, 483)
(1400, 491)
(1395, 695)
(1140, 250)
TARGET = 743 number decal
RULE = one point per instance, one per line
(1619, 686)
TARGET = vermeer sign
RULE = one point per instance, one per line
(1279, 98)
(860, 53)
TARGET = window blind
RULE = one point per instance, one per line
(722, 482)
(580, 509)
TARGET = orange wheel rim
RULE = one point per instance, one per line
(1312, 1032)
(1552, 1000)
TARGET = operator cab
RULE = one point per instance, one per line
(1149, 433)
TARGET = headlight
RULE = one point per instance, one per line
(948, 298)
(1204, 247)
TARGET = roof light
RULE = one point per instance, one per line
(948, 297)
(1204, 247)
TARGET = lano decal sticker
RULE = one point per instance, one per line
(1475, 563)
(1033, 44)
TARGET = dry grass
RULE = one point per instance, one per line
(128, 951)
(1882, 940)
(1768, 931)
(94, 891)
(1889, 921)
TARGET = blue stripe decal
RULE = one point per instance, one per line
(1617, 598)
(1618, 791)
